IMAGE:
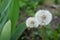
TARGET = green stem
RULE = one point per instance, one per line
(43, 34)
(32, 34)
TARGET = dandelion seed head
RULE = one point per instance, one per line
(43, 17)
(31, 22)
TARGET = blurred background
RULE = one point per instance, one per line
(29, 7)
(17, 11)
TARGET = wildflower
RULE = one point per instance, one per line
(43, 17)
(31, 22)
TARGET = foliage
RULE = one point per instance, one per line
(6, 32)
(18, 32)
(56, 1)
(4, 12)
(9, 9)
(29, 6)
(14, 13)
(9, 14)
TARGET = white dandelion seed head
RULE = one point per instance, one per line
(31, 22)
(43, 17)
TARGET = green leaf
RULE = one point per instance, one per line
(4, 19)
(18, 32)
(4, 4)
(14, 13)
(5, 9)
(6, 32)
(4, 12)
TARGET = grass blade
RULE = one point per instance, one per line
(14, 13)
(18, 32)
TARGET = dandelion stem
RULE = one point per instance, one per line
(32, 34)
(43, 34)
